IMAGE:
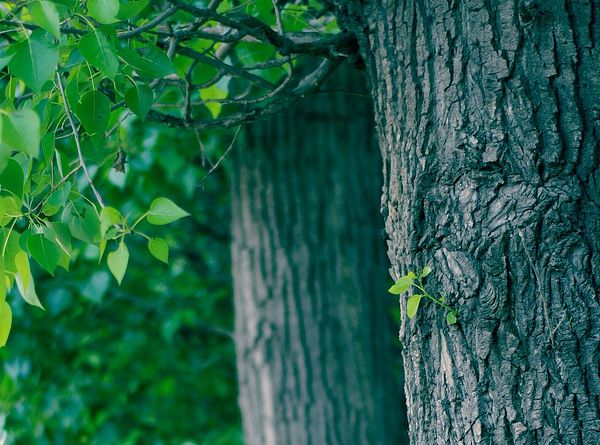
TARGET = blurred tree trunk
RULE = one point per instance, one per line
(314, 341)
(488, 117)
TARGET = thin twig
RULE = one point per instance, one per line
(278, 18)
(77, 141)
(56, 186)
(204, 158)
(214, 167)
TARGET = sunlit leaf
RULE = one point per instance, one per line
(11, 248)
(45, 14)
(109, 216)
(117, 262)
(401, 285)
(412, 305)
(10, 208)
(104, 11)
(24, 280)
(451, 318)
(210, 94)
(5, 321)
(159, 248)
(21, 131)
(164, 211)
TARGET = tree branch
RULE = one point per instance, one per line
(77, 141)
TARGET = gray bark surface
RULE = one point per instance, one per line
(315, 345)
(488, 122)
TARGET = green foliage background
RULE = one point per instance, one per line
(149, 362)
(82, 84)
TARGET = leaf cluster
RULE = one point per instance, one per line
(151, 361)
(415, 281)
(73, 73)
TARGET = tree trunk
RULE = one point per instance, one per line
(488, 122)
(313, 335)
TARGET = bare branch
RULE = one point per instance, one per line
(151, 24)
(232, 70)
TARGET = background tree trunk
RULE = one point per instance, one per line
(488, 121)
(314, 340)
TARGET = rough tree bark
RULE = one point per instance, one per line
(488, 122)
(313, 336)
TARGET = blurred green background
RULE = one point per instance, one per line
(151, 361)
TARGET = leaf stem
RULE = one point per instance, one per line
(137, 221)
(77, 141)
(431, 297)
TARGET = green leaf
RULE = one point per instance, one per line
(451, 318)
(48, 141)
(109, 216)
(412, 305)
(159, 248)
(152, 62)
(139, 99)
(21, 131)
(426, 271)
(3, 287)
(117, 262)
(5, 320)
(401, 285)
(5, 57)
(12, 178)
(11, 89)
(83, 221)
(131, 9)
(45, 14)
(93, 112)
(11, 250)
(35, 60)
(44, 251)
(99, 52)
(102, 248)
(104, 11)
(24, 237)
(264, 10)
(59, 233)
(164, 211)
(10, 207)
(57, 199)
(211, 93)
(24, 280)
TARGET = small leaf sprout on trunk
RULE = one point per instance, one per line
(415, 280)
